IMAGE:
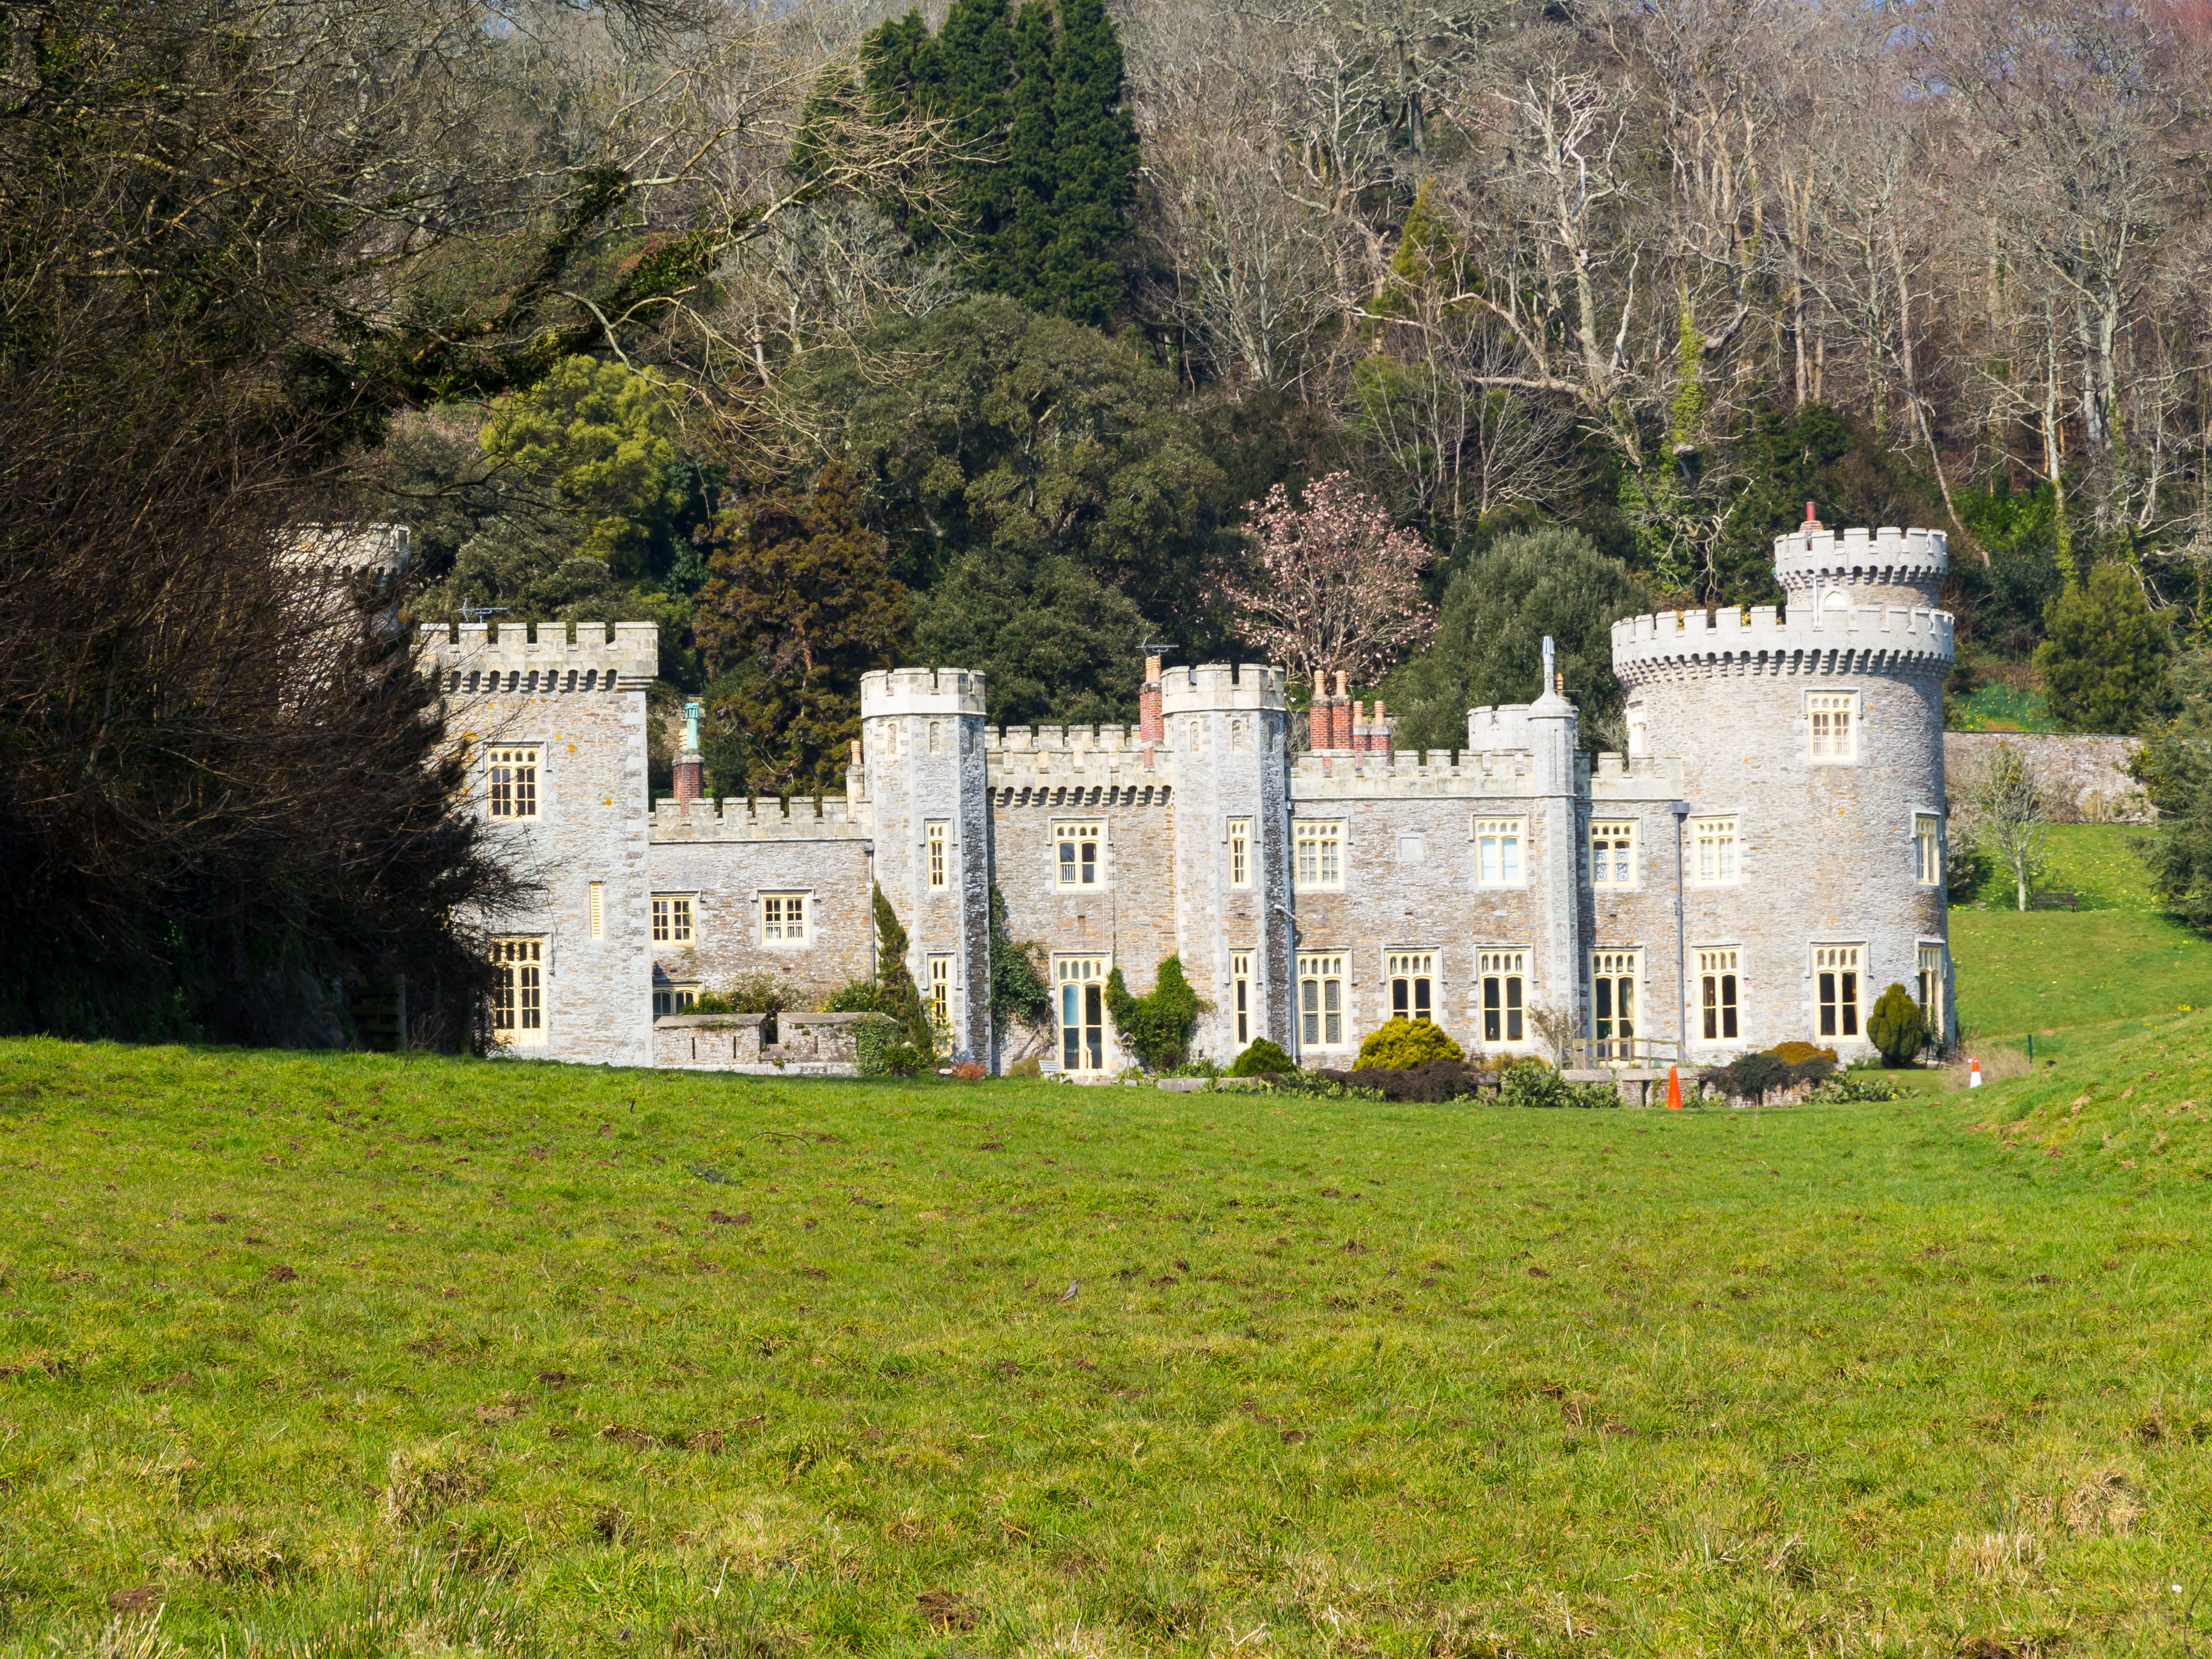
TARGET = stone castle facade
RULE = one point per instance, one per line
(1763, 860)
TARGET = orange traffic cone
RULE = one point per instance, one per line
(1673, 1088)
(1973, 1072)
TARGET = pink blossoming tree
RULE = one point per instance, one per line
(1334, 587)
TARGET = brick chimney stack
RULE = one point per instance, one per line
(1150, 728)
(1341, 715)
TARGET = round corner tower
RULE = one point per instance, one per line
(1811, 743)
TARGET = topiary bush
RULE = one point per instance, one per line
(1896, 1026)
(1263, 1058)
(1155, 1028)
(1405, 1043)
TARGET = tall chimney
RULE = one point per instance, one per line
(1151, 727)
(1340, 714)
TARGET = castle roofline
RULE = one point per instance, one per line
(1810, 635)
(920, 691)
(629, 652)
(1888, 556)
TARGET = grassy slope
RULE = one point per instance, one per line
(1376, 1379)
(2052, 969)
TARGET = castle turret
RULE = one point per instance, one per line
(1811, 744)
(922, 738)
(1226, 725)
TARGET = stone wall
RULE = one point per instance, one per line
(2086, 775)
(726, 880)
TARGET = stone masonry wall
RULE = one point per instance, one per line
(728, 878)
(2085, 776)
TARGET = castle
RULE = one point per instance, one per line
(1763, 860)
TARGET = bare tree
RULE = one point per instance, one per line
(2011, 815)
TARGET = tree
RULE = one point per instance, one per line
(1094, 153)
(2174, 766)
(1489, 644)
(1333, 588)
(2106, 663)
(798, 605)
(1897, 1027)
(2009, 817)
(901, 997)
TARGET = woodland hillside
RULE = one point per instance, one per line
(1378, 336)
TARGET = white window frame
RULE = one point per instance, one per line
(1501, 989)
(1719, 994)
(937, 853)
(1836, 1015)
(1318, 846)
(1078, 988)
(1084, 834)
(1604, 869)
(1928, 849)
(1240, 995)
(1417, 969)
(676, 919)
(1930, 955)
(677, 995)
(511, 792)
(1824, 745)
(1716, 852)
(1322, 999)
(1240, 853)
(1613, 1017)
(792, 930)
(1501, 852)
(517, 998)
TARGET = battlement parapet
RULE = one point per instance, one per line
(763, 817)
(885, 691)
(1059, 739)
(1410, 775)
(337, 553)
(1216, 685)
(1885, 557)
(1610, 776)
(471, 657)
(1834, 637)
(1050, 760)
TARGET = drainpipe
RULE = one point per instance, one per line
(1681, 809)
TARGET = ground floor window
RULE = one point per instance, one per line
(1320, 1001)
(941, 995)
(1240, 985)
(1836, 968)
(1504, 1001)
(1082, 991)
(1931, 990)
(673, 998)
(518, 990)
(1613, 1002)
(1413, 984)
(1717, 994)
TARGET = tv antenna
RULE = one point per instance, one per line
(1159, 647)
(476, 613)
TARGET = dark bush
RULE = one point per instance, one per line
(1438, 1081)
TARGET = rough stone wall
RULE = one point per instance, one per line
(2086, 776)
(726, 878)
(1826, 853)
(582, 702)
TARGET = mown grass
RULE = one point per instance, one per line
(353, 1354)
(2048, 970)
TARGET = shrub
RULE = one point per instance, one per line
(1529, 1082)
(1404, 1043)
(1320, 1085)
(1796, 1054)
(1896, 1026)
(758, 993)
(1852, 1088)
(1755, 1076)
(1968, 871)
(904, 1059)
(2106, 656)
(1157, 1027)
(969, 1071)
(1030, 1068)
(856, 996)
(1019, 974)
(871, 1039)
(1263, 1058)
(1433, 1083)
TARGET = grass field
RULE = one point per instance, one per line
(355, 1355)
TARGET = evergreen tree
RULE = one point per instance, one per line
(1094, 168)
(901, 996)
(798, 606)
(2175, 769)
(975, 57)
(1026, 241)
(2106, 664)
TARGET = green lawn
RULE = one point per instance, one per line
(352, 1354)
(2050, 970)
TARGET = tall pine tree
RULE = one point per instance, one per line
(1027, 241)
(975, 52)
(1094, 168)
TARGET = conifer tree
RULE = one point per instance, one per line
(901, 994)
(1094, 168)
(975, 58)
(1027, 241)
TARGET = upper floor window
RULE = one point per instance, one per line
(1613, 853)
(514, 777)
(783, 919)
(1497, 851)
(1320, 854)
(1715, 862)
(1928, 849)
(1834, 718)
(935, 837)
(1079, 853)
(1239, 852)
(671, 919)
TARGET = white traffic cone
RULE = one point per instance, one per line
(1973, 1072)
